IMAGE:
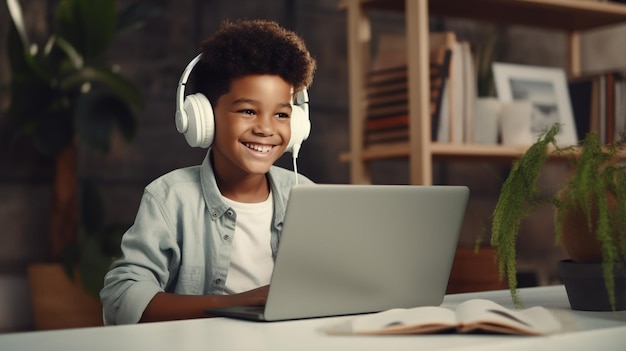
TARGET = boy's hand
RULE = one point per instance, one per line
(167, 306)
(254, 297)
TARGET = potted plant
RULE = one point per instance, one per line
(590, 218)
(487, 105)
(66, 95)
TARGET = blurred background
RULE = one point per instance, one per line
(153, 57)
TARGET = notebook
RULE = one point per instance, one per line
(351, 249)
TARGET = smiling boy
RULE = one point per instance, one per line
(207, 236)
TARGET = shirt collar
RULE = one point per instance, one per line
(218, 207)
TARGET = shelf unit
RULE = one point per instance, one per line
(571, 16)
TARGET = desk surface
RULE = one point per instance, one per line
(582, 331)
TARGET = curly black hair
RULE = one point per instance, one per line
(249, 47)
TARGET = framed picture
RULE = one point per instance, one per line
(546, 88)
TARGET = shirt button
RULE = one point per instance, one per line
(218, 281)
(226, 237)
(214, 214)
(230, 213)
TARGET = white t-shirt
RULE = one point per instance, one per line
(251, 261)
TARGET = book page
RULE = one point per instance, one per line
(487, 315)
(425, 319)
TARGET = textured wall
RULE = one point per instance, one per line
(154, 57)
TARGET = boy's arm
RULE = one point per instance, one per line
(166, 306)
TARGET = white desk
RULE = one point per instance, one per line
(583, 331)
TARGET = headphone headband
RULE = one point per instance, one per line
(182, 123)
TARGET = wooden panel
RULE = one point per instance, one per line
(569, 15)
(441, 150)
(420, 165)
(554, 14)
(359, 37)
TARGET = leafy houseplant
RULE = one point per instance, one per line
(65, 96)
(487, 106)
(486, 53)
(590, 218)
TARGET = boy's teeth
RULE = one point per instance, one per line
(259, 148)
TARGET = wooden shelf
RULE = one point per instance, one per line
(402, 150)
(449, 151)
(569, 15)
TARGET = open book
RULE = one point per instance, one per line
(470, 316)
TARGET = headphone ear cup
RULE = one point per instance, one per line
(201, 129)
(300, 127)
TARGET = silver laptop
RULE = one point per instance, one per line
(350, 249)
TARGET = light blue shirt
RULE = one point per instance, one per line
(181, 240)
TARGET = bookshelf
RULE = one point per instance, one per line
(571, 16)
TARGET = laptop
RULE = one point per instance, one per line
(352, 249)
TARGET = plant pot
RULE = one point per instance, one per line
(585, 287)
(59, 302)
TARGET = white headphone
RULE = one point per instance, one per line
(195, 119)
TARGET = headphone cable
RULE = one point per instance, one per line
(295, 168)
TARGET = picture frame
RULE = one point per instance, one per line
(546, 88)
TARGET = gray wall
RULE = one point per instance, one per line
(154, 58)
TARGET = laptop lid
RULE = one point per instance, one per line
(349, 249)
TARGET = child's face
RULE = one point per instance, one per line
(252, 126)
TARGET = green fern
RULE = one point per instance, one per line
(515, 203)
(597, 175)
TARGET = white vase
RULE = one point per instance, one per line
(486, 120)
(516, 123)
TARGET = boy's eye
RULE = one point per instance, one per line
(283, 115)
(247, 112)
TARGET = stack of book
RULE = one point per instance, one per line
(387, 99)
(452, 91)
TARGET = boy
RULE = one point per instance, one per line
(206, 236)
